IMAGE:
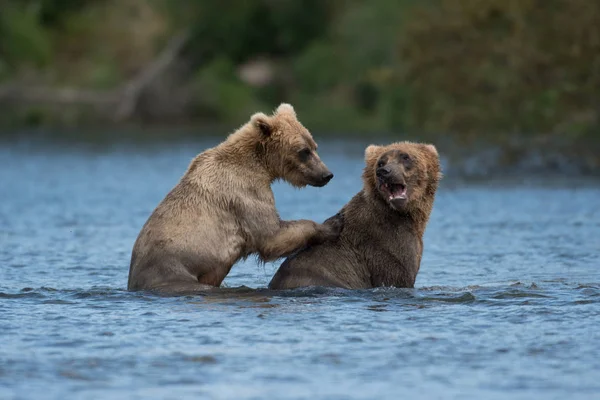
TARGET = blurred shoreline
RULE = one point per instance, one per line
(499, 86)
(467, 67)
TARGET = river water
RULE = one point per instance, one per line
(507, 303)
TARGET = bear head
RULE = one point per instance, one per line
(288, 149)
(402, 175)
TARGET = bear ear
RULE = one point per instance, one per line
(263, 123)
(285, 108)
(431, 148)
(371, 153)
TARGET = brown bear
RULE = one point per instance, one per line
(223, 208)
(381, 242)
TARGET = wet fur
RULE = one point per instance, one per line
(223, 208)
(378, 245)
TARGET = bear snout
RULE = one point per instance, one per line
(322, 179)
(382, 172)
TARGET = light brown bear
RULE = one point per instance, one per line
(381, 242)
(223, 208)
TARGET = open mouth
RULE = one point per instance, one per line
(394, 191)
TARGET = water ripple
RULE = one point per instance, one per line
(506, 303)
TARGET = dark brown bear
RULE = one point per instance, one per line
(381, 242)
(223, 208)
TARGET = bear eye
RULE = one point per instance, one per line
(405, 157)
(380, 164)
(304, 154)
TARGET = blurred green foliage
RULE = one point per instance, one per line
(462, 67)
(239, 30)
(504, 66)
(23, 39)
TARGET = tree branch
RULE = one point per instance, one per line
(123, 100)
(134, 88)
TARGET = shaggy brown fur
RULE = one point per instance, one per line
(223, 208)
(381, 242)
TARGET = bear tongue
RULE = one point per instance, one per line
(397, 192)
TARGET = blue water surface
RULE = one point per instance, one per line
(506, 305)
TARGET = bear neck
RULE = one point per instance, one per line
(246, 147)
